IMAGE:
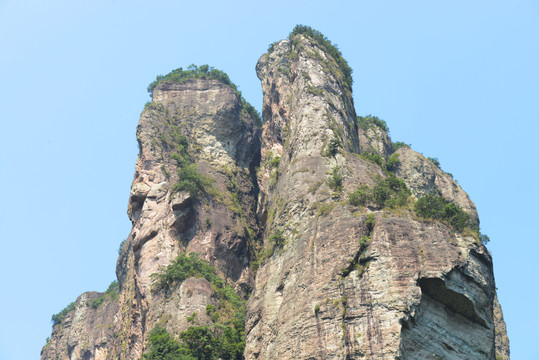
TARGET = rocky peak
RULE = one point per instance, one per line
(306, 96)
(311, 218)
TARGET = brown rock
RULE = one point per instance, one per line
(332, 281)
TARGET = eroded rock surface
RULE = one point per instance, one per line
(87, 332)
(327, 280)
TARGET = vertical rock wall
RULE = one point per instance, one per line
(328, 280)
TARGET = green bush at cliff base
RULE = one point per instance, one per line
(330, 48)
(437, 207)
(205, 342)
(223, 339)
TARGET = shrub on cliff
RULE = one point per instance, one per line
(335, 180)
(387, 192)
(112, 293)
(191, 265)
(224, 338)
(437, 207)
(191, 180)
(365, 122)
(193, 72)
(202, 342)
(60, 317)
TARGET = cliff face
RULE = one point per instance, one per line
(326, 277)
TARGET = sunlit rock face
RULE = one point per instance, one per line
(323, 278)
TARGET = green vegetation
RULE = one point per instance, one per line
(274, 162)
(206, 342)
(223, 339)
(392, 162)
(389, 192)
(205, 72)
(275, 240)
(316, 309)
(189, 178)
(335, 180)
(435, 162)
(191, 265)
(437, 207)
(360, 261)
(60, 317)
(372, 157)
(193, 72)
(112, 293)
(399, 144)
(325, 44)
(365, 122)
(250, 110)
(360, 196)
(333, 147)
(388, 166)
(314, 90)
(192, 181)
(121, 247)
(164, 347)
(370, 221)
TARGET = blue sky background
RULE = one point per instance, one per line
(458, 80)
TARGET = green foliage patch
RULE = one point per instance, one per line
(389, 192)
(365, 122)
(111, 293)
(189, 178)
(180, 75)
(437, 207)
(399, 144)
(372, 157)
(392, 162)
(335, 180)
(435, 161)
(201, 342)
(60, 317)
(333, 147)
(223, 339)
(275, 240)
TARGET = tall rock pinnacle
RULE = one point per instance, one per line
(313, 237)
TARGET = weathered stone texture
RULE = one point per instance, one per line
(411, 289)
(86, 332)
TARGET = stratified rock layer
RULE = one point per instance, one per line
(328, 280)
(421, 288)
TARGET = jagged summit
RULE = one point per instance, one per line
(313, 237)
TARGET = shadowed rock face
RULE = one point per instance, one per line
(410, 289)
(223, 142)
(305, 304)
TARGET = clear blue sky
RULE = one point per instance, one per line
(459, 80)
